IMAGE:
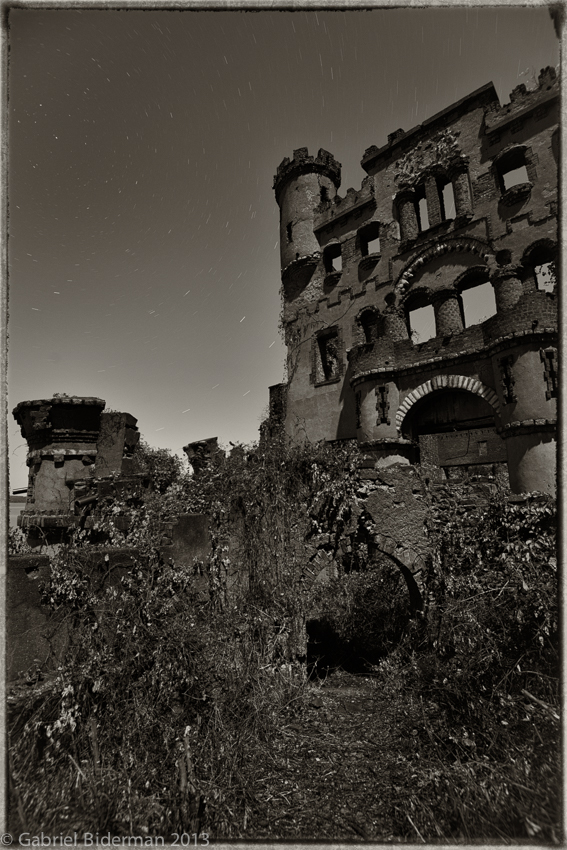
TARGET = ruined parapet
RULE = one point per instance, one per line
(523, 101)
(117, 441)
(75, 450)
(62, 434)
(335, 210)
(200, 452)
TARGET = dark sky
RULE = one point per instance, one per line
(143, 236)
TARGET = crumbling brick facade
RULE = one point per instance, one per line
(466, 199)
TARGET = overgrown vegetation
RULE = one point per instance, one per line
(166, 711)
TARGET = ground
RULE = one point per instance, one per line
(330, 774)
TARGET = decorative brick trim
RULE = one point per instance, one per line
(440, 382)
(448, 245)
(527, 426)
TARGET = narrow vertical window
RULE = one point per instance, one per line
(549, 359)
(447, 197)
(507, 380)
(289, 231)
(327, 366)
(382, 405)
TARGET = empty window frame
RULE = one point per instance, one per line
(446, 199)
(545, 276)
(478, 303)
(512, 169)
(368, 321)
(324, 195)
(549, 360)
(333, 258)
(289, 232)
(421, 322)
(327, 353)
(369, 239)
(421, 209)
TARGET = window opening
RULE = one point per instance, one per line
(549, 359)
(545, 276)
(368, 325)
(333, 258)
(422, 215)
(447, 196)
(515, 176)
(324, 194)
(422, 324)
(289, 232)
(328, 347)
(482, 448)
(507, 380)
(382, 405)
(373, 246)
(479, 304)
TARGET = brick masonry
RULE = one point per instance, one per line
(498, 234)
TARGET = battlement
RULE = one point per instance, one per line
(302, 163)
(399, 140)
(341, 208)
(523, 101)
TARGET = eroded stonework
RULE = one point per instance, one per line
(463, 206)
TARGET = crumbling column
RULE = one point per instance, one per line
(395, 326)
(407, 215)
(433, 201)
(448, 316)
(61, 433)
(507, 287)
(462, 191)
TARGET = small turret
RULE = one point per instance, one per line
(302, 184)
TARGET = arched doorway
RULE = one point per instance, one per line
(456, 433)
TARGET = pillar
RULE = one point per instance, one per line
(462, 192)
(407, 215)
(507, 287)
(448, 316)
(433, 201)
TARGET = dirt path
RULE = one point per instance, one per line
(331, 773)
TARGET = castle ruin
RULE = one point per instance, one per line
(462, 205)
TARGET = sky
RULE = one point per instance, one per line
(143, 229)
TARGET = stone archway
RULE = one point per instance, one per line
(445, 382)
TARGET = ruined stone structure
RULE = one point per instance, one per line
(464, 204)
(78, 454)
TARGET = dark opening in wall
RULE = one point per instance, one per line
(328, 357)
(332, 258)
(289, 232)
(512, 169)
(549, 360)
(478, 302)
(369, 239)
(369, 323)
(324, 194)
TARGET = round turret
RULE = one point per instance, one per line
(302, 184)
